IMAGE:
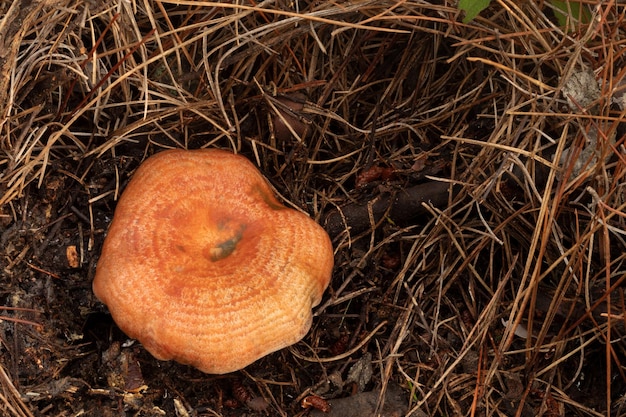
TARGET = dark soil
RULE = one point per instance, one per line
(430, 150)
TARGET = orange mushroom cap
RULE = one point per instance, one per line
(204, 266)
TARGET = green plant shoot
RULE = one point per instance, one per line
(472, 8)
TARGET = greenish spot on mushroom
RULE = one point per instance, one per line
(269, 199)
(225, 248)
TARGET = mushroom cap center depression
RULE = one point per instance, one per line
(211, 251)
(203, 265)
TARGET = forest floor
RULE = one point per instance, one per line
(470, 175)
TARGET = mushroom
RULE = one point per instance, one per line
(203, 265)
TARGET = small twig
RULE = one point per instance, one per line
(343, 355)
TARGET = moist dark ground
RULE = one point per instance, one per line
(432, 234)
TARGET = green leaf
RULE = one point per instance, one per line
(472, 8)
(562, 10)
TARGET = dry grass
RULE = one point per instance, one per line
(506, 300)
